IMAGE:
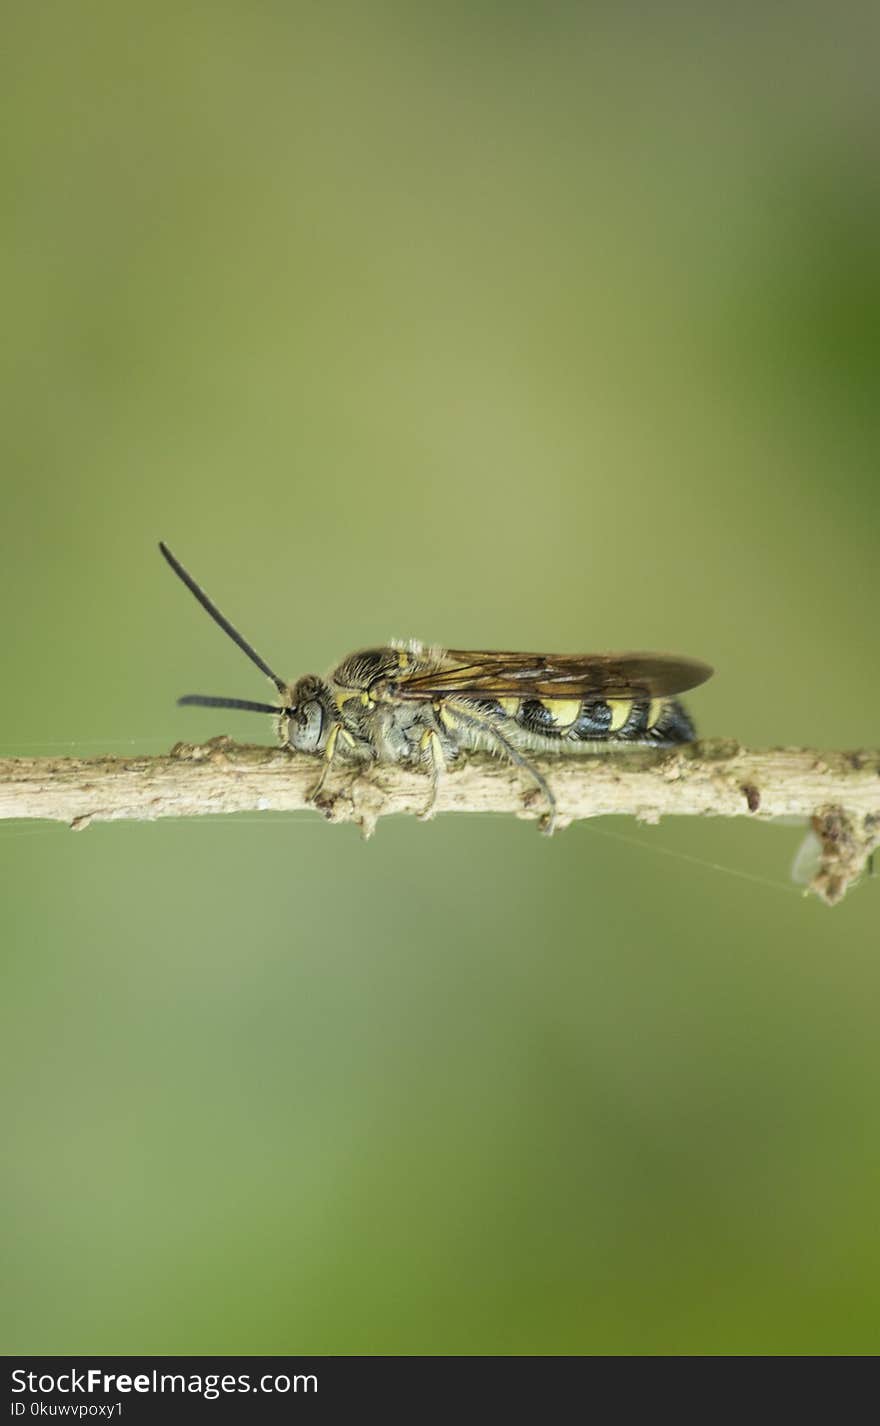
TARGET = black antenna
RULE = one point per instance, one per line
(211, 608)
(205, 700)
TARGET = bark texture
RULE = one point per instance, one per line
(838, 793)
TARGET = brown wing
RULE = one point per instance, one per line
(505, 675)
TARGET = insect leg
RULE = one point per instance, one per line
(329, 752)
(431, 751)
(548, 821)
(490, 729)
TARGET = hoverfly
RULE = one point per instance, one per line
(423, 706)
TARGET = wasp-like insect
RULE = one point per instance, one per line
(423, 706)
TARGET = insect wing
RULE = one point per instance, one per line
(521, 675)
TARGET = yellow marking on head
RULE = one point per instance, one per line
(366, 700)
(620, 711)
(654, 710)
(564, 711)
(510, 706)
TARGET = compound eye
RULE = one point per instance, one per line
(308, 719)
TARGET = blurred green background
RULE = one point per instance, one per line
(495, 324)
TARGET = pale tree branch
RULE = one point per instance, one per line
(837, 793)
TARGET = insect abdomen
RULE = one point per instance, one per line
(657, 721)
(674, 724)
(567, 726)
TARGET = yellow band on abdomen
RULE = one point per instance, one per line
(564, 711)
(621, 708)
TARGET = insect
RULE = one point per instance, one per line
(423, 706)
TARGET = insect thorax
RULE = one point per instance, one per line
(374, 724)
(353, 707)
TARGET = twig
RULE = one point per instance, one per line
(837, 792)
